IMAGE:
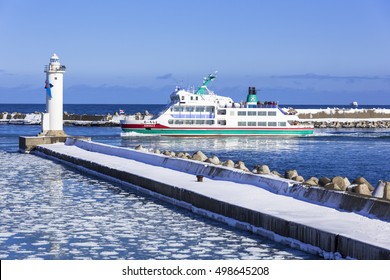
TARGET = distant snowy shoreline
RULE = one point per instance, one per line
(346, 118)
(321, 118)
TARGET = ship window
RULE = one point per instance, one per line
(221, 112)
(179, 121)
(210, 122)
(262, 113)
(282, 124)
(222, 122)
(262, 123)
(182, 97)
(196, 98)
(241, 123)
(199, 121)
(199, 109)
(190, 109)
(192, 98)
(178, 109)
(271, 113)
(251, 123)
(189, 122)
(170, 121)
(209, 109)
(251, 113)
(271, 123)
(241, 113)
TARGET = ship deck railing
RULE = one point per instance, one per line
(194, 116)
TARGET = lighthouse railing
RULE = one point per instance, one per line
(49, 68)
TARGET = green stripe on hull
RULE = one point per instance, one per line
(181, 132)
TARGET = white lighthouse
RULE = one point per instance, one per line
(52, 120)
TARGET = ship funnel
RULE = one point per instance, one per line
(251, 90)
(252, 97)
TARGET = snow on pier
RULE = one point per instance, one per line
(273, 207)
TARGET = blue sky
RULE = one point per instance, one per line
(296, 52)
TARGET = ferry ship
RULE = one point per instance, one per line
(204, 113)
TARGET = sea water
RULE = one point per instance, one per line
(51, 211)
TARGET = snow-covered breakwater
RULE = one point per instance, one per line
(346, 118)
(69, 119)
(281, 209)
(359, 186)
(337, 113)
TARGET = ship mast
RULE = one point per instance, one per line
(203, 88)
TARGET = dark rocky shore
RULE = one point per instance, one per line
(351, 124)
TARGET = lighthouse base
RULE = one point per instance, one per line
(53, 133)
(29, 143)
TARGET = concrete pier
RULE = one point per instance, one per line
(253, 206)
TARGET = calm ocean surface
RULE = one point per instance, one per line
(50, 211)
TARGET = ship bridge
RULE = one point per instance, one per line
(184, 97)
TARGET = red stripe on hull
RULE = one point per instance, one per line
(159, 126)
